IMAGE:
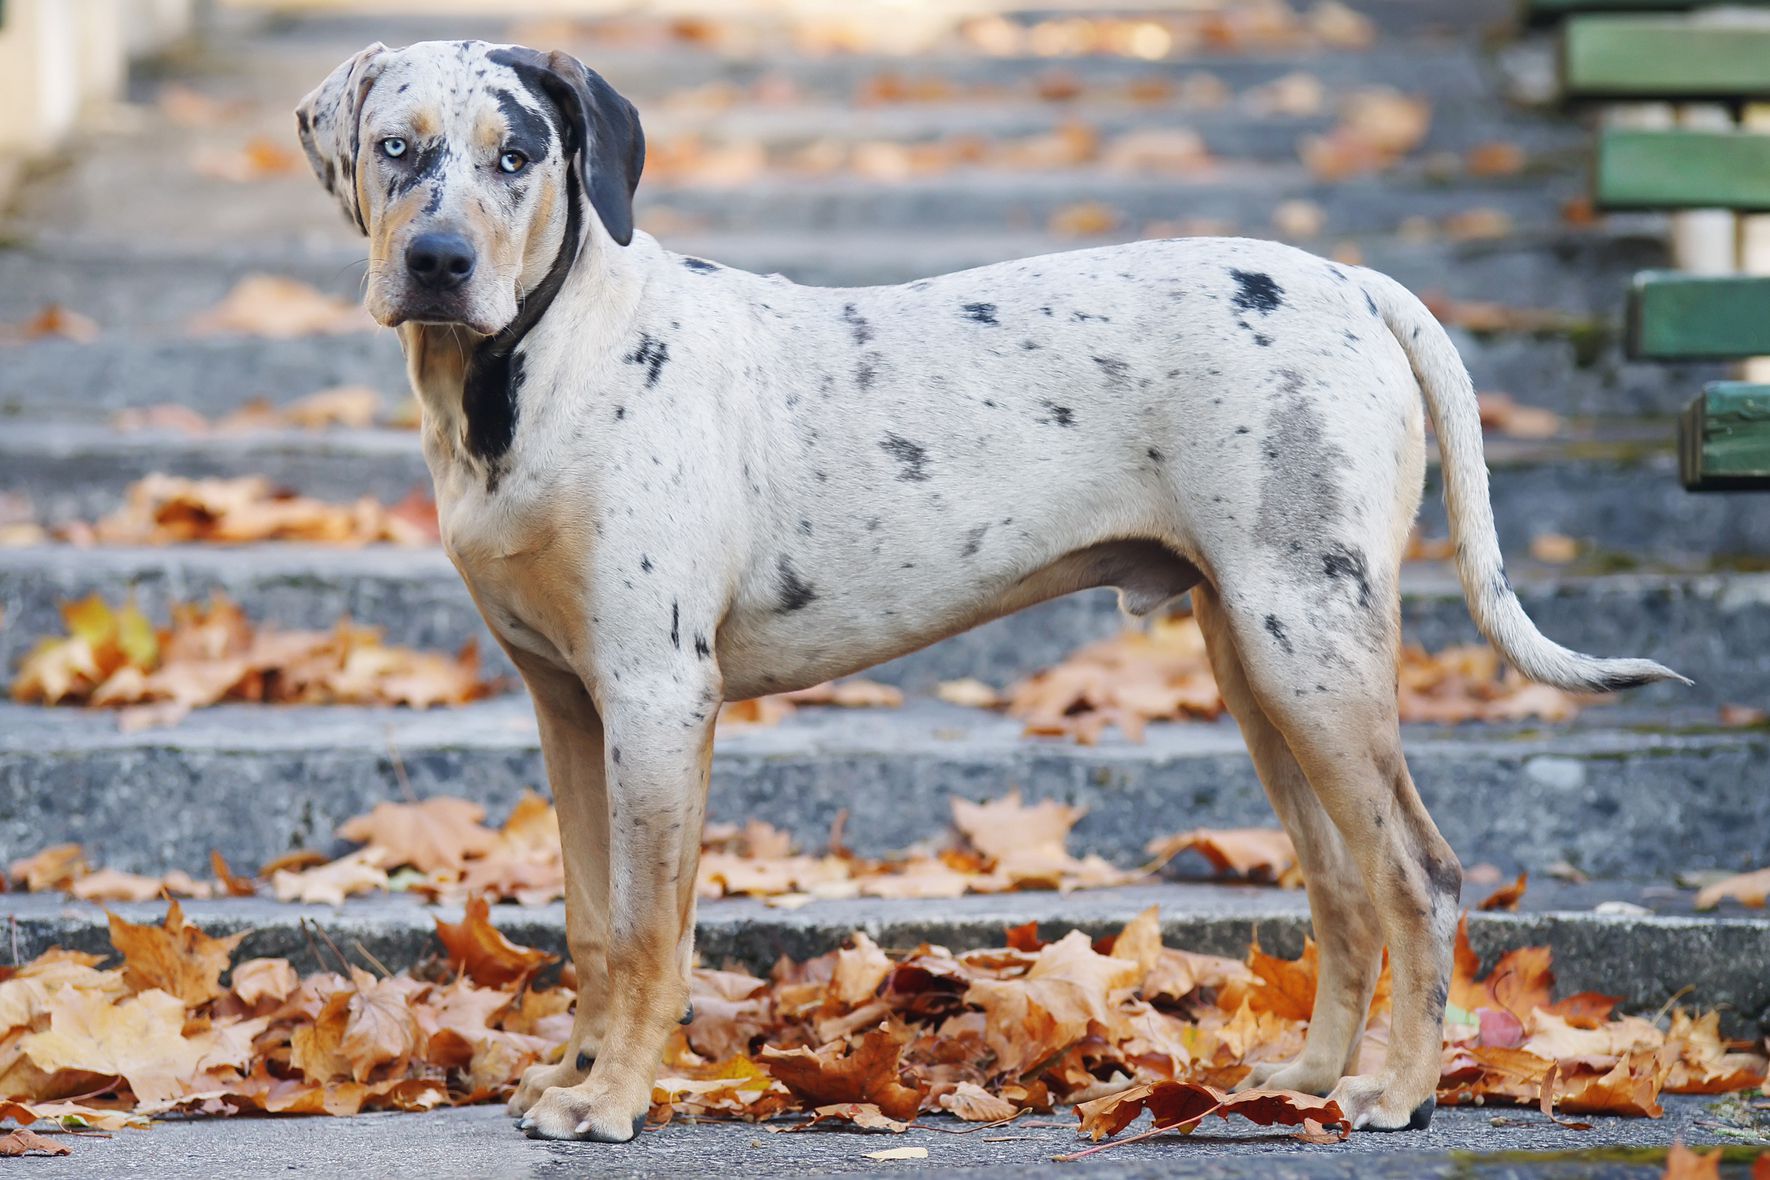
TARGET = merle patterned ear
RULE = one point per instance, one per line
(327, 121)
(602, 132)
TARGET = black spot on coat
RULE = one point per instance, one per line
(795, 592)
(1255, 291)
(700, 265)
(857, 323)
(653, 353)
(983, 313)
(914, 459)
(1278, 632)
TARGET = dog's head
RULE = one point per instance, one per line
(467, 165)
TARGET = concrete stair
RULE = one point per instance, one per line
(1633, 793)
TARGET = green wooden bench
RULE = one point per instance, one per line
(1664, 51)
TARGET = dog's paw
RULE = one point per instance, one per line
(538, 1079)
(1299, 1074)
(1378, 1103)
(574, 1112)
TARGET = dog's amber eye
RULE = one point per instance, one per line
(512, 162)
(394, 146)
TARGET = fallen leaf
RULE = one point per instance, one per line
(898, 1153)
(437, 833)
(1685, 1164)
(1506, 897)
(1264, 854)
(174, 957)
(480, 950)
(867, 1073)
(1748, 889)
(280, 308)
(26, 1142)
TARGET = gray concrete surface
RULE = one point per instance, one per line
(1618, 801)
(478, 1143)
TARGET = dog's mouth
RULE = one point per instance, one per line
(433, 313)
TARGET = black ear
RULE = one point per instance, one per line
(602, 132)
(327, 123)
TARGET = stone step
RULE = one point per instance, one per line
(1714, 628)
(279, 69)
(1232, 192)
(1614, 489)
(1617, 799)
(153, 290)
(1645, 957)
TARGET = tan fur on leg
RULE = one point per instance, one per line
(572, 746)
(658, 763)
(1346, 930)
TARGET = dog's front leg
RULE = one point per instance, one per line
(572, 746)
(659, 751)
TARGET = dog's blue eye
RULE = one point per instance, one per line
(395, 147)
(512, 162)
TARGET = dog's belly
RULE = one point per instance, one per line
(875, 620)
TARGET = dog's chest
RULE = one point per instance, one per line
(525, 567)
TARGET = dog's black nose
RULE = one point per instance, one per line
(440, 261)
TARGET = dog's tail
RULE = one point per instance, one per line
(1450, 400)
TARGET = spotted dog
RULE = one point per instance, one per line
(669, 483)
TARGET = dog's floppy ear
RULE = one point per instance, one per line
(327, 121)
(602, 132)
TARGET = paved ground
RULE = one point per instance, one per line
(480, 1143)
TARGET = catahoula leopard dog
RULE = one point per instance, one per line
(669, 483)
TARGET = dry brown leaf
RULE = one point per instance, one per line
(1506, 897)
(867, 1073)
(1261, 853)
(1685, 1164)
(1748, 889)
(438, 833)
(329, 883)
(257, 159)
(1084, 219)
(53, 321)
(263, 979)
(26, 1142)
(280, 308)
(972, 1103)
(1502, 413)
(175, 956)
(487, 957)
(55, 868)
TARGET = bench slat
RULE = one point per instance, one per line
(1682, 170)
(1541, 11)
(1677, 316)
(1724, 438)
(1663, 57)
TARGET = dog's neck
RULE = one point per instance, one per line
(469, 385)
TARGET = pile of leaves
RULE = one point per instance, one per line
(92, 1046)
(441, 849)
(353, 407)
(173, 510)
(211, 654)
(1162, 673)
(1118, 1025)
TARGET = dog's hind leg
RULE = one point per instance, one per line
(572, 746)
(1324, 674)
(1347, 933)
